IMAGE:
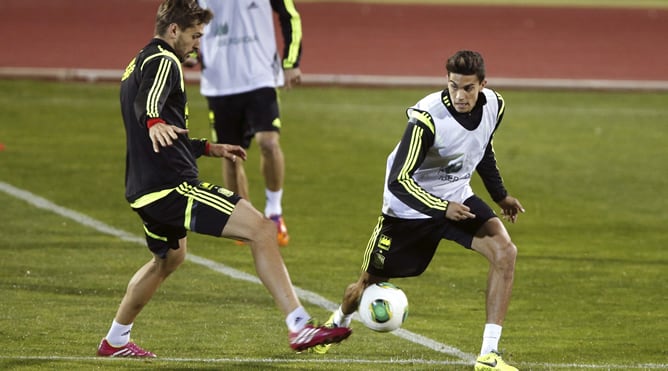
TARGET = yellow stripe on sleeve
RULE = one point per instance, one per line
(153, 100)
(502, 106)
(424, 118)
(408, 183)
(296, 26)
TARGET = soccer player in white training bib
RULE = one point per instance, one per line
(241, 73)
(428, 197)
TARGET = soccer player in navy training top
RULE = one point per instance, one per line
(428, 197)
(163, 187)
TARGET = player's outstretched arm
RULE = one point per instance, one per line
(228, 151)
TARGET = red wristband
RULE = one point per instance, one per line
(207, 147)
(154, 121)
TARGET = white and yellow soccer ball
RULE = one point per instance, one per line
(383, 307)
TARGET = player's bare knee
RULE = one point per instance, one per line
(269, 144)
(172, 261)
(264, 233)
(505, 255)
(269, 150)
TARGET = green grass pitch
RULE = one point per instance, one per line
(590, 291)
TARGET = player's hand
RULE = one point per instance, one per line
(457, 212)
(163, 135)
(293, 76)
(229, 151)
(510, 208)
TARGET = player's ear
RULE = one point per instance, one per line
(483, 83)
(173, 31)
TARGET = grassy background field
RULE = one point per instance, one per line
(590, 289)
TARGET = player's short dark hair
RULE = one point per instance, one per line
(466, 62)
(185, 13)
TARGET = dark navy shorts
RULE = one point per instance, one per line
(236, 118)
(405, 247)
(199, 207)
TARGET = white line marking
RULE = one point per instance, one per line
(467, 359)
(305, 295)
(249, 360)
(646, 366)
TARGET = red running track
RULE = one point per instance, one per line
(369, 39)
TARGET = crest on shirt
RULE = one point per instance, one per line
(221, 29)
(454, 163)
(384, 242)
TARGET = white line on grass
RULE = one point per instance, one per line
(305, 295)
(414, 361)
(311, 297)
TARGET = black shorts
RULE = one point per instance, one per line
(236, 118)
(199, 207)
(404, 247)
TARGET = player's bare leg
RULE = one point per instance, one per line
(146, 282)
(140, 290)
(272, 161)
(494, 243)
(353, 292)
(272, 165)
(234, 177)
(351, 298)
(249, 225)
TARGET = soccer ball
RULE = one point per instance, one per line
(383, 307)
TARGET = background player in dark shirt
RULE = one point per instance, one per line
(162, 185)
